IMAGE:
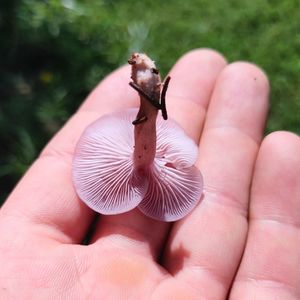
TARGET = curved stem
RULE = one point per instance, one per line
(145, 136)
(146, 80)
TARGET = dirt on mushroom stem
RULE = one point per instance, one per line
(146, 77)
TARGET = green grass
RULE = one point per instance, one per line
(53, 52)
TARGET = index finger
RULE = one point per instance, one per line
(45, 196)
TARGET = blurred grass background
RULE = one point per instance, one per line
(54, 52)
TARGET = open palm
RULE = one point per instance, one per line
(241, 242)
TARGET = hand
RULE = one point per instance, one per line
(220, 249)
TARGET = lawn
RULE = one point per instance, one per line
(54, 52)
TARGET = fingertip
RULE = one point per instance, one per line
(278, 159)
(242, 72)
(281, 143)
(192, 82)
(194, 74)
(208, 54)
(240, 100)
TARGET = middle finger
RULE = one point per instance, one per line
(205, 247)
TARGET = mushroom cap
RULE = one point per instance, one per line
(105, 179)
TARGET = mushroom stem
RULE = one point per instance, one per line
(145, 137)
(146, 80)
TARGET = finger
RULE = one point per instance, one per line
(270, 267)
(45, 201)
(192, 81)
(193, 78)
(205, 247)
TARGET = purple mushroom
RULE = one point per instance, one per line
(148, 163)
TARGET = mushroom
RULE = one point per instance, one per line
(148, 163)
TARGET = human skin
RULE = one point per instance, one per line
(241, 242)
